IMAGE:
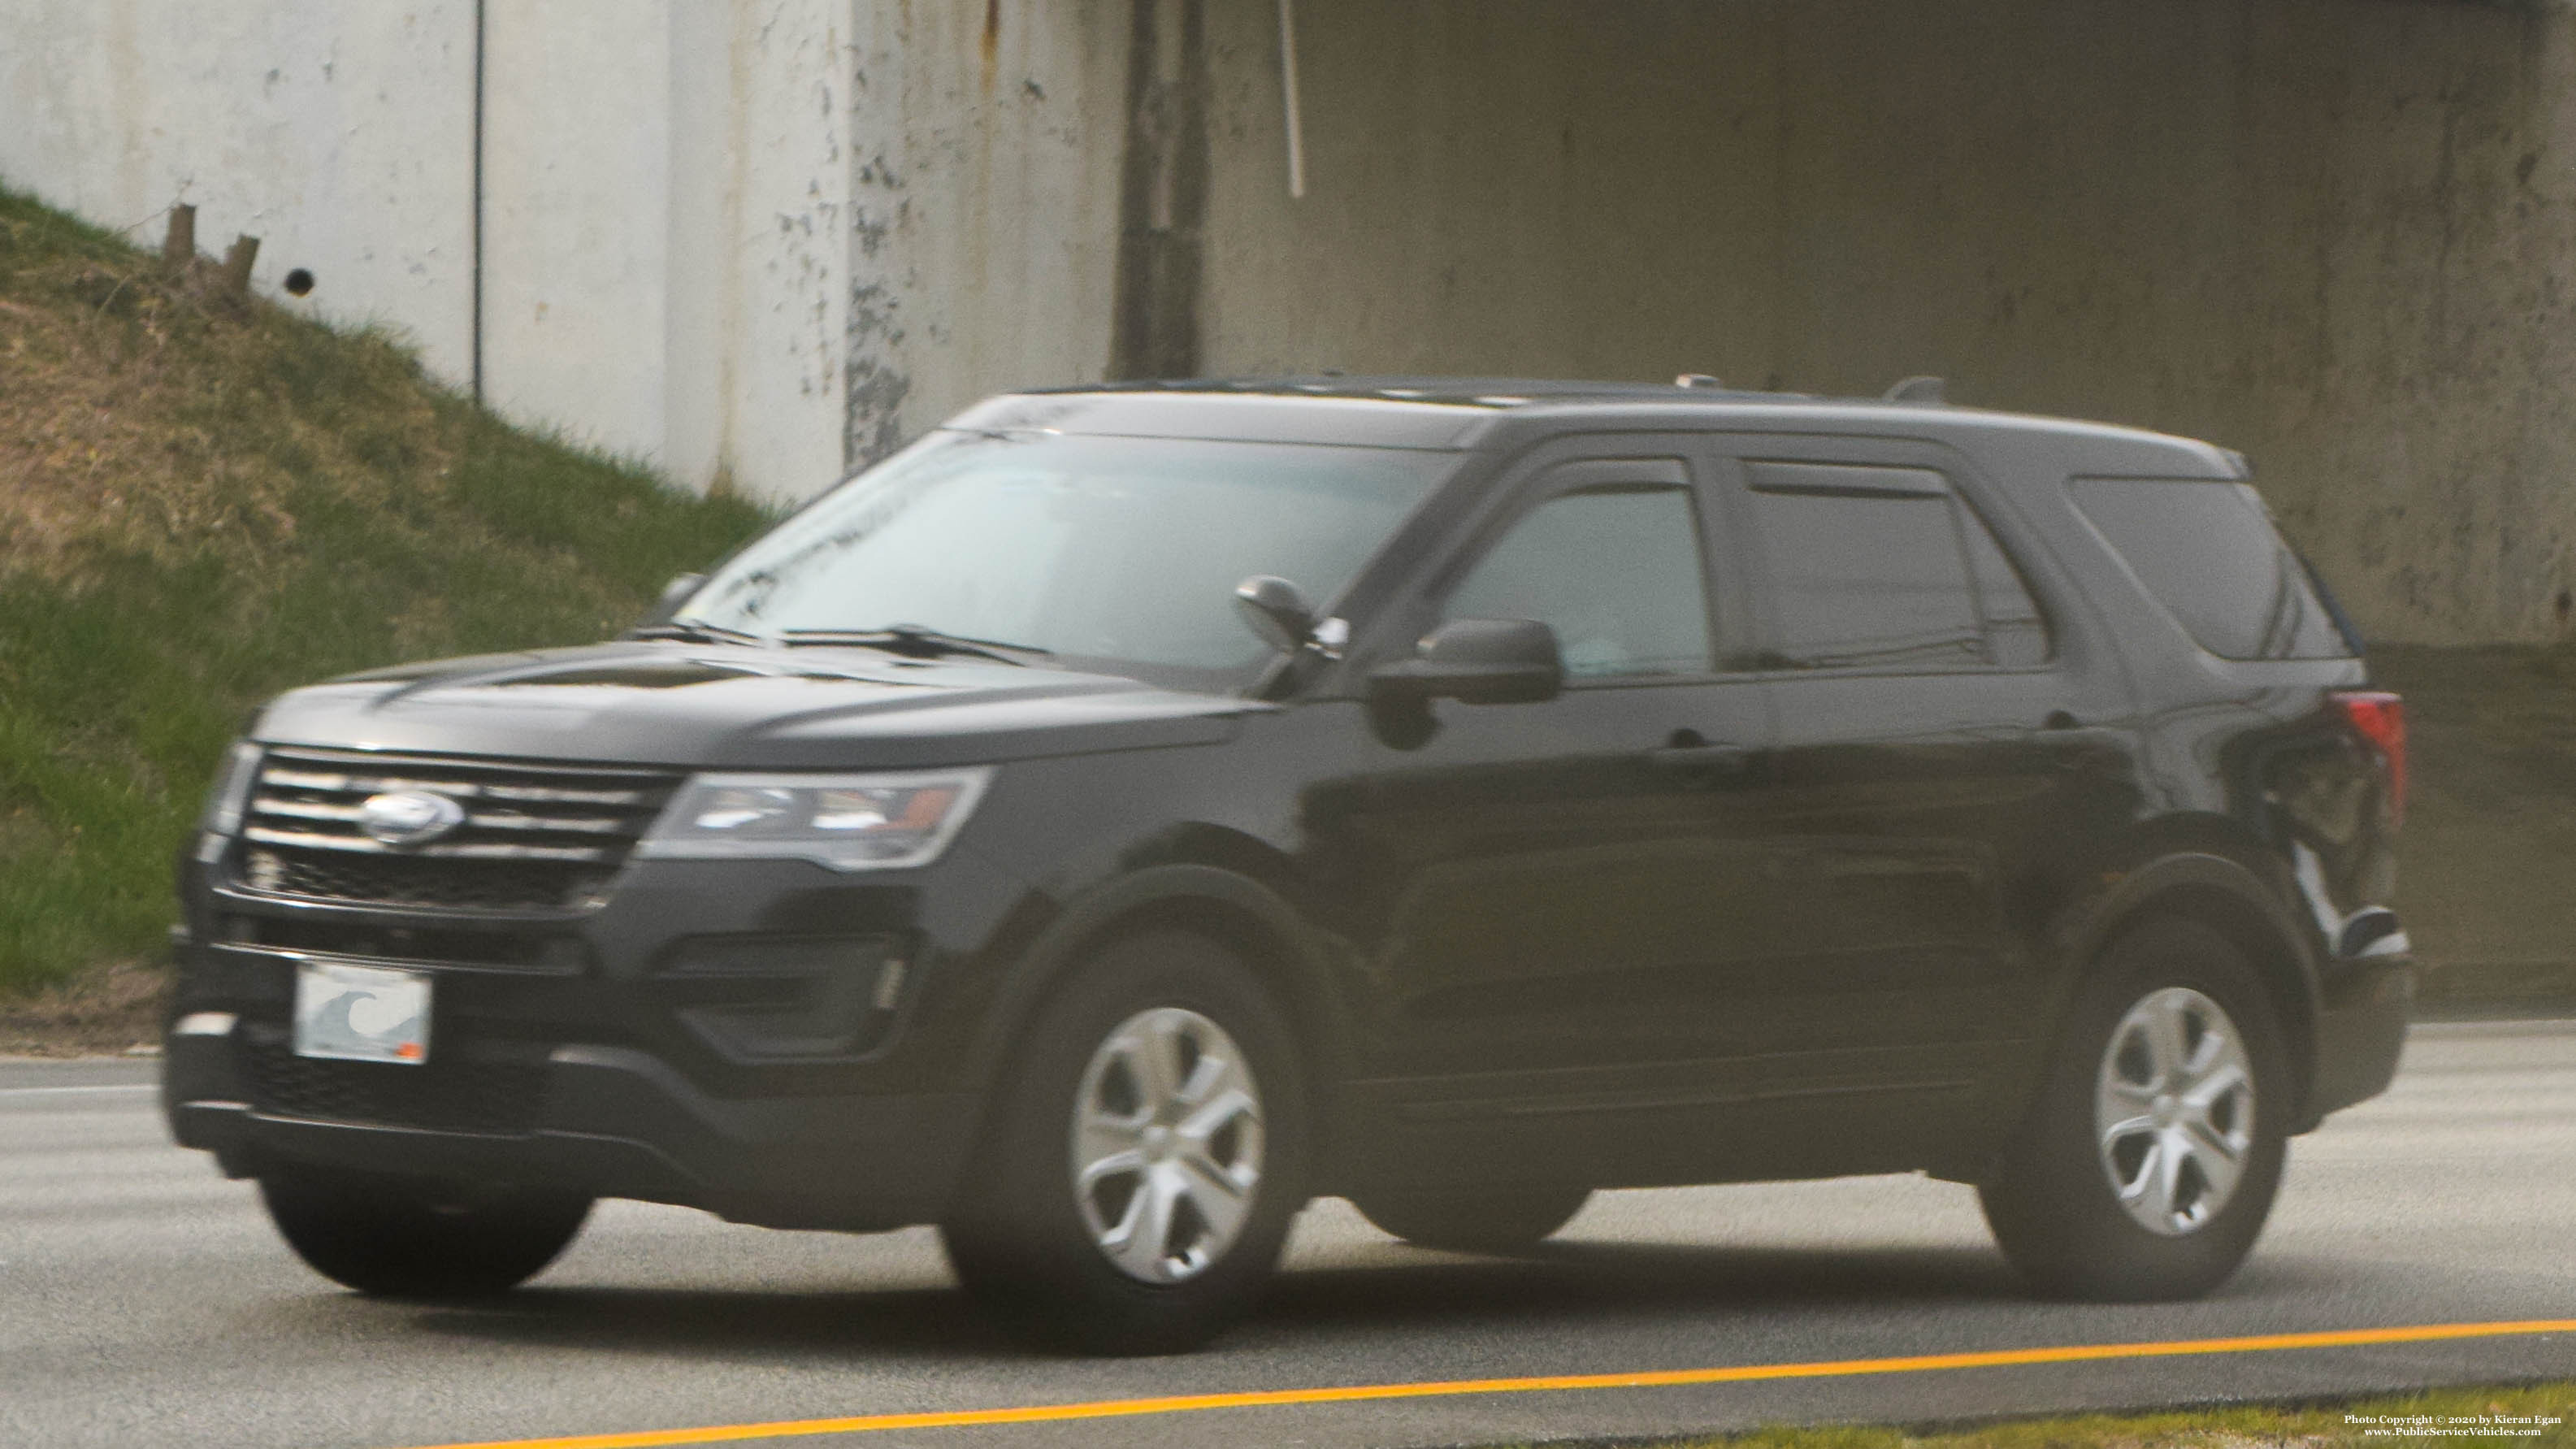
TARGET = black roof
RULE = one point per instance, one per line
(1449, 413)
(1480, 392)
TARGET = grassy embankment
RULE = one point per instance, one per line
(2519, 1415)
(202, 503)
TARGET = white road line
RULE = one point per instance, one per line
(53, 1091)
(2501, 1026)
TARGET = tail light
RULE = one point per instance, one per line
(2380, 717)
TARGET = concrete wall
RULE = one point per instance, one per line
(665, 193)
(758, 240)
(760, 210)
(338, 134)
(2333, 233)
(1506, 186)
(577, 196)
(986, 141)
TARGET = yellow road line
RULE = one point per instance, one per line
(1556, 1383)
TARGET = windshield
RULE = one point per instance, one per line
(1119, 554)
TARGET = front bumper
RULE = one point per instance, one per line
(613, 1122)
(768, 1041)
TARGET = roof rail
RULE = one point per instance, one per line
(1926, 389)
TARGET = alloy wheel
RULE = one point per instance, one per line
(2173, 1110)
(1167, 1145)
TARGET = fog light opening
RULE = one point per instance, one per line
(889, 985)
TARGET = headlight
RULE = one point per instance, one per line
(848, 822)
(231, 791)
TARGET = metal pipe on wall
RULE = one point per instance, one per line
(1292, 118)
(474, 324)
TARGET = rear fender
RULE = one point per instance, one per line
(2221, 891)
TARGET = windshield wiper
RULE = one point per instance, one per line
(914, 641)
(696, 634)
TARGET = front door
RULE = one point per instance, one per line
(1563, 896)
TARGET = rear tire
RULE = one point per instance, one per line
(2152, 1155)
(417, 1237)
(1467, 1220)
(1140, 1169)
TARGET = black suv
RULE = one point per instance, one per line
(1663, 785)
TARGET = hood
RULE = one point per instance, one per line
(721, 707)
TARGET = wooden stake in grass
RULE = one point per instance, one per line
(180, 247)
(236, 278)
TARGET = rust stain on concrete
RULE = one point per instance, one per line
(992, 44)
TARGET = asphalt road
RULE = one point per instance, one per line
(143, 1301)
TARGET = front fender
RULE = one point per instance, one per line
(1236, 909)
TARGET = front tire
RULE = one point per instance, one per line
(1138, 1177)
(416, 1237)
(1496, 1220)
(2151, 1159)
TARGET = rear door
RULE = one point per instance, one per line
(1931, 778)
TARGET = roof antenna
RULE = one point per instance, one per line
(1918, 390)
(1697, 379)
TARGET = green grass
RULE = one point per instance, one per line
(202, 504)
(2488, 855)
(2225, 1428)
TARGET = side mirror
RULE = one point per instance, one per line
(1477, 661)
(674, 594)
(1276, 610)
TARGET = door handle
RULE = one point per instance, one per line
(1700, 757)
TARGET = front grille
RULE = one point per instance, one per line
(503, 950)
(418, 881)
(534, 837)
(456, 1090)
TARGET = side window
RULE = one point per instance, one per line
(2016, 631)
(1616, 572)
(1886, 567)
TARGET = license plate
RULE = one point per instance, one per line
(361, 1013)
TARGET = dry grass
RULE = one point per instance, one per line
(205, 502)
(107, 1008)
(143, 420)
(93, 451)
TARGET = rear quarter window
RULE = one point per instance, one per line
(2206, 550)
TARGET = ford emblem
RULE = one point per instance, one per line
(409, 817)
